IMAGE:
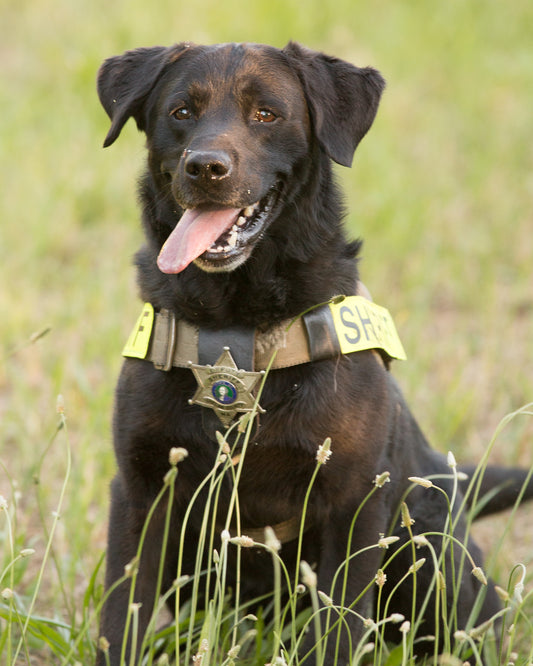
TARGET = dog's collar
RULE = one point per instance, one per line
(342, 326)
(228, 363)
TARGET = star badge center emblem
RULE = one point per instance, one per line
(224, 388)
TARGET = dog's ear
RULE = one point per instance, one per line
(342, 99)
(124, 83)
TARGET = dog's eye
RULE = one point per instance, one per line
(264, 116)
(181, 113)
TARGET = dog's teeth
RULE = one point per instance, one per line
(249, 210)
(232, 238)
(241, 221)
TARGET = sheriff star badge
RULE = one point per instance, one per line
(224, 388)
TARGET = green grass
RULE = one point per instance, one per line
(217, 632)
(440, 190)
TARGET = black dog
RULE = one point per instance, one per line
(243, 233)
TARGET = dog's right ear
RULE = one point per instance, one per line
(342, 99)
(124, 83)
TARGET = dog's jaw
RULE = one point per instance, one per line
(234, 247)
(217, 239)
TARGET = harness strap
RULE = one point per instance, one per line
(286, 531)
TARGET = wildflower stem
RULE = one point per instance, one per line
(62, 425)
(349, 555)
(11, 570)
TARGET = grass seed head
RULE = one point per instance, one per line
(407, 521)
(452, 463)
(103, 644)
(518, 589)
(243, 422)
(278, 661)
(271, 540)
(417, 565)
(60, 404)
(405, 627)
(503, 594)
(244, 541)
(420, 481)
(380, 578)
(396, 618)
(478, 573)
(324, 452)
(181, 581)
(382, 479)
(132, 567)
(478, 632)
(176, 455)
(420, 540)
(308, 575)
(327, 601)
(27, 552)
(385, 542)
(233, 653)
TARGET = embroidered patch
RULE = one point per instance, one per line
(361, 324)
(139, 340)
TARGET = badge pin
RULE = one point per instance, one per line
(224, 388)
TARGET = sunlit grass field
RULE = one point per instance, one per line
(441, 191)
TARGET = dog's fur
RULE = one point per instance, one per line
(226, 126)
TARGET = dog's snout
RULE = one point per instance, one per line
(211, 165)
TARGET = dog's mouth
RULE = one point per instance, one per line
(216, 239)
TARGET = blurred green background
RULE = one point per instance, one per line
(441, 190)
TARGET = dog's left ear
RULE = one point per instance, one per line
(342, 99)
(124, 83)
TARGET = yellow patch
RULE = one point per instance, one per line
(361, 324)
(139, 340)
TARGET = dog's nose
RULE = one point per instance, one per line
(209, 165)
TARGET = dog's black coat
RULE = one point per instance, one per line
(257, 121)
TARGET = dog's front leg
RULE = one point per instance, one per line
(126, 523)
(344, 579)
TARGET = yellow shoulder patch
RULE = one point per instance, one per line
(362, 324)
(139, 340)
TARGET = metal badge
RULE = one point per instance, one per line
(224, 388)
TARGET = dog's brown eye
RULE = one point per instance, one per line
(181, 113)
(265, 116)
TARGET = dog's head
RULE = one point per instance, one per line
(228, 128)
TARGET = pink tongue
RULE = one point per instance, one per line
(196, 231)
